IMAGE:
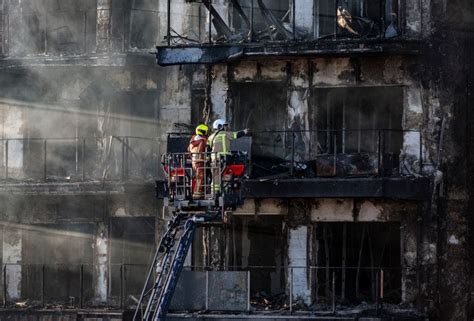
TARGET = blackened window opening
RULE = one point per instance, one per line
(261, 107)
(352, 120)
(132, 248)
(143, 25)
(356, 253)
(245, 247)
(198, 103)
(51, 27)
(47, 249)
(265, 263)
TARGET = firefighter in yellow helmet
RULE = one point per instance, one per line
(197, 147)
(219, 144)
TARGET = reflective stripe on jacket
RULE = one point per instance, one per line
(220, 141)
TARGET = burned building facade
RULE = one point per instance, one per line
(359, 193)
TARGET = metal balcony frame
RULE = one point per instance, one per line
(211, 52)
(407, 186)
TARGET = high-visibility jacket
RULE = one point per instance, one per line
(219, 142)
(197, 146)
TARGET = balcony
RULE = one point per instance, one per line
(237, 290)
(78, 165)
(379, 163)
(78, 34)
(284, 164)
(209, 32)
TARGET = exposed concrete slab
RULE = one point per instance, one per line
(332, 210)
(351, 210)
(211, 290)
(392, 188)
(12, 258)
(228, 291)
(95, 60)
(77, 188)
(262, 207)
(371, 211)
(190, 293)
(293, 50)
(245, 71)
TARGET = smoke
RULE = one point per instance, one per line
(73, 101)
(63, 255)
(73, 110)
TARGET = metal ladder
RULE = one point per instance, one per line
(168, 261)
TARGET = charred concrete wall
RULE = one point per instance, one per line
(453, 38)
(428, 105)
(311, 228)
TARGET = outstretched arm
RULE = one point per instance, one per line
(241, 133)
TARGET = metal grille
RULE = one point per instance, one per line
(182, 177)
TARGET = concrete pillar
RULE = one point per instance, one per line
(298, 93)
(104, 18)
(297, 261)
(174, 92)
(418, 17)
(13, 126)
(409, 262)
(217, 246)
(18, 43)
(219, 92)
(214, 247)
(12, 238)
(413, 119)
(101, 261)
(245, 243)
(304, 15)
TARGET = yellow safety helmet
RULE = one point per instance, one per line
(202, 130)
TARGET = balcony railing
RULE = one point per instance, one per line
(79, 32)
(111, 158)
(333, 153)
(319, 289)
(204, 22)
(277, 154)
(208, 22)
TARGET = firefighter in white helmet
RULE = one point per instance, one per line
(219, 144)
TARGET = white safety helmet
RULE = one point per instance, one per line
(218, 124)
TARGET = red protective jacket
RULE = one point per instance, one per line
(197, 145)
